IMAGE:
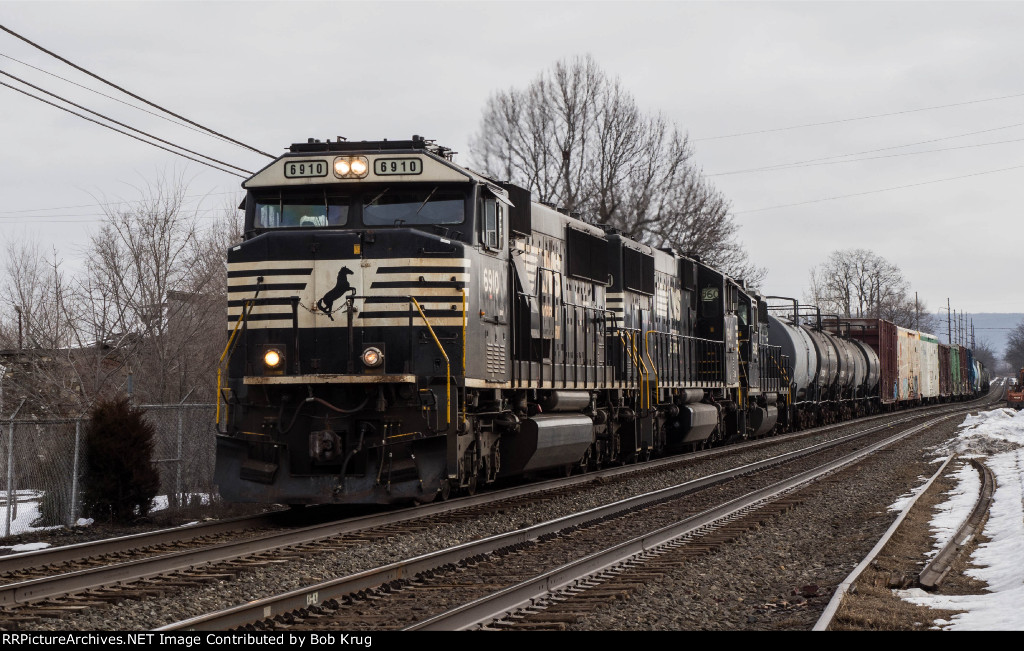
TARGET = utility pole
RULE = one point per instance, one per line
(949, 324)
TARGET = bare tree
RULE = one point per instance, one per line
(984, 353)
(146, 313)
(1014, 353)
(35, 303)
(156, 284)
(576, 138)
(861, 283)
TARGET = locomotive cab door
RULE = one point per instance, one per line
(492, 291)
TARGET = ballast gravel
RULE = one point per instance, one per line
(780, 576)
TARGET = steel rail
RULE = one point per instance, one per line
(503, 602)
(316, 594)
(15, 562)
(825, 620)
(937, 569)
(80, 551)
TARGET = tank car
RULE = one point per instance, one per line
(834, 376)
(403, 327)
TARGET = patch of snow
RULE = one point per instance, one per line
(997, 435)
(954, 511)
(27, 547)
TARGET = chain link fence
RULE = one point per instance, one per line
(42, 462)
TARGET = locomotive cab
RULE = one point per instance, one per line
(365, 269)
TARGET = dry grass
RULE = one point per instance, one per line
(872, 604)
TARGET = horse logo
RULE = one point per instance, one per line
(342, 287)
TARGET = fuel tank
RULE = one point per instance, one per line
(547, 441)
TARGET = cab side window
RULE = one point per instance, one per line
(492, 223)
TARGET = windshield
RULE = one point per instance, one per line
(280, 209)
(404, 205)
(390, 205)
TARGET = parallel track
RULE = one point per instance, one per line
(317, 600)
(223, 561)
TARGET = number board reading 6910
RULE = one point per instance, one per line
(303, 168)
(392, 166)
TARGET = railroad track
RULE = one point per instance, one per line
(34, 564)
(27, 601)
(492, 571)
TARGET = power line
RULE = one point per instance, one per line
(129, 93)
(122, 124)
(64, 221)
(100, 205)
(34, 219)
(898, 187)
(90, 218)
(121, 101)
(202, 162)
(865, 117)
(867, 151)
(795, 166)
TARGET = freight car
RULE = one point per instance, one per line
(848, 367)
(403, 328)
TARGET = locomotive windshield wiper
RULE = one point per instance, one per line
(427, 199)
(374, 200)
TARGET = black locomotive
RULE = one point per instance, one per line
(403, 328)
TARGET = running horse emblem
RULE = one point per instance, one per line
(340, 289)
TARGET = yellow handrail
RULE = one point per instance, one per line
(782, 372)
(627, 348)
(645, 397)
(647, 341)
(246, 309)
(630, 346)
(448, 365)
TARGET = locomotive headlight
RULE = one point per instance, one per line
(272, 358)
(351, 167)
(373, 357)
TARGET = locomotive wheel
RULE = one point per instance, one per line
(445, 491)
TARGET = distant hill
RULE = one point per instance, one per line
(993, 327)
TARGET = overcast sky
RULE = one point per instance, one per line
(269, 74)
